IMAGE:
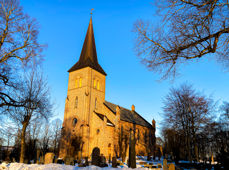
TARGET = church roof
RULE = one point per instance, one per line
(128, 115)
(88, 56)
(101, 116)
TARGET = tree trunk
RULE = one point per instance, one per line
(196, 153)
(194, 140)
(189, 149)
(22, 153)
(132, 153)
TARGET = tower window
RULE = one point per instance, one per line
(95, 103)
(94, 84)
(80, 82)
(74, 122)
(76, 83)
(98, 85)
(76, 102)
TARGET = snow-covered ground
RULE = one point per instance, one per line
(20, 166)
(53, 166)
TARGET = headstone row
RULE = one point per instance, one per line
(97, 160)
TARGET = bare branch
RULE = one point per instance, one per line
(189, 30)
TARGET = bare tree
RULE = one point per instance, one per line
(45, 139)
(221, 136)
(33, 92)
(18, 42)
(18, 33)
(56, 134)
(19, 46)
(225, 115)
(173, 143)
(190, 29)
(32, 139)
(187, 112)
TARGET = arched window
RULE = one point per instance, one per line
(94, 84)
(97, 131)
(74, 122)
(76, 83)
(98, 85)
(76, 102)
(80, 82)
(95, 103)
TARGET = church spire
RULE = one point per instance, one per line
(88, 56)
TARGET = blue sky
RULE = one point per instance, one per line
(63, 25)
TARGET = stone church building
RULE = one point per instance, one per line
(90, 121)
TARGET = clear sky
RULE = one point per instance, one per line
(63, 26)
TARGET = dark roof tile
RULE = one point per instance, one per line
(128, 115)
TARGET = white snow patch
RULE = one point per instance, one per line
(21, 166)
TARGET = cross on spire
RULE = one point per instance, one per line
(92, 11)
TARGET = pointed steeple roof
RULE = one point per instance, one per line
(88, 56)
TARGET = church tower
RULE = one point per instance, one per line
(85, 95)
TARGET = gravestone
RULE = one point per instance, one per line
(69, 160)
(75, 162)
(96, 156)
(159, 165)
(148, 166)
(49, 157)
(79, 161)
(14, 160)
(60, 161)
(103, 161)
(86, 161)
(82, 164)
(114, 162)
(154, 166)
(165, 166)
(171, 167)
(142, 163)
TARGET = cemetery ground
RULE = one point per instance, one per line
(141, 163)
